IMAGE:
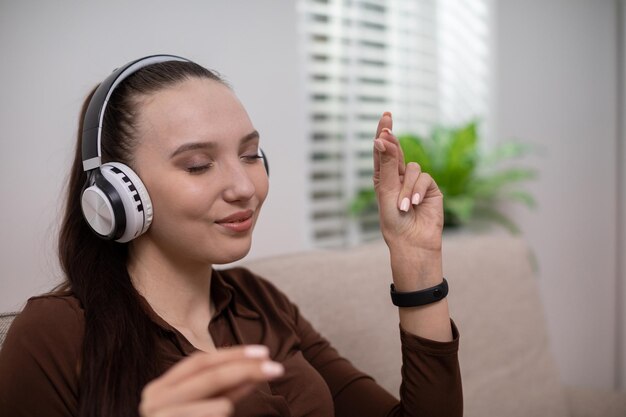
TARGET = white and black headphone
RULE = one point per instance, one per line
(114, 200)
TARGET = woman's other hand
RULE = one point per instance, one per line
(208, 384)
(409, 201)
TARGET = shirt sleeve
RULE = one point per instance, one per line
(39, 359)
(431, 378)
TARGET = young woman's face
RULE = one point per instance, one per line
(197, 156)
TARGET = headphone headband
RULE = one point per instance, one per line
(94, 116)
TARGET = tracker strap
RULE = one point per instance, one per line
(419, 298)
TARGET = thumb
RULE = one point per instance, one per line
(388, 154)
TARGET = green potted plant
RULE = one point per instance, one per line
(473, 182)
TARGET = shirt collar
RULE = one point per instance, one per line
(225, 296)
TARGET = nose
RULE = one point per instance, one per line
(238, 185)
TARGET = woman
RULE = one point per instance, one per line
(145, 326)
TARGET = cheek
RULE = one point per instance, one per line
(261, 185)
(180, 197)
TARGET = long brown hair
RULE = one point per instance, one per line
(118, 355)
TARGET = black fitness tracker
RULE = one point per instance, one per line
(419, 298)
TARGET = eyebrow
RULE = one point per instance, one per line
(211, 145)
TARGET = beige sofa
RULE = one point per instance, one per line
(507, 367)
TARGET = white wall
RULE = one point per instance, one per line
(557, 86)
(54, 52)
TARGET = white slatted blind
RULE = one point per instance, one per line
(427, 61)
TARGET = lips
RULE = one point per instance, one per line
(237, 222)
(237, 217)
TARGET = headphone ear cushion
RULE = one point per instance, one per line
(133, 196)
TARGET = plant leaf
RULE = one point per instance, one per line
(415, 151)
(460, 158)
(461, 207)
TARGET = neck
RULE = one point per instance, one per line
(177, 289)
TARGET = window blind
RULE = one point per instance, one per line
(426, 61)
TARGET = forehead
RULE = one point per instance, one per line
(196, 109)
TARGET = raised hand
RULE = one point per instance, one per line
(206, 384)
(409, 201)
(411, 220)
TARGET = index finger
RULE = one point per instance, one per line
(385, 122)
(223, 379)
(229, 379)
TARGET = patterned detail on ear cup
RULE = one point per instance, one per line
(134, 196)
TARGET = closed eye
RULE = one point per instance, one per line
(251, 158)
(198, 169)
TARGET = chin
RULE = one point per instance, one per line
(229, 255)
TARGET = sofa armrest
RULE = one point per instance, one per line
(5, 322)
(588, 402)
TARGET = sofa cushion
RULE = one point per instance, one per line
(505, 350)
(506, 364)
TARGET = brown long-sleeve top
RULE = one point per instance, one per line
(38, 361)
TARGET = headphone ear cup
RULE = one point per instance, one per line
(134, 198)
(117, 206)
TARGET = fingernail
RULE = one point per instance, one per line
(416, 199)
(387, 113)
(379, 145)
(272, 368)
(404, 205)
(256, 351)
